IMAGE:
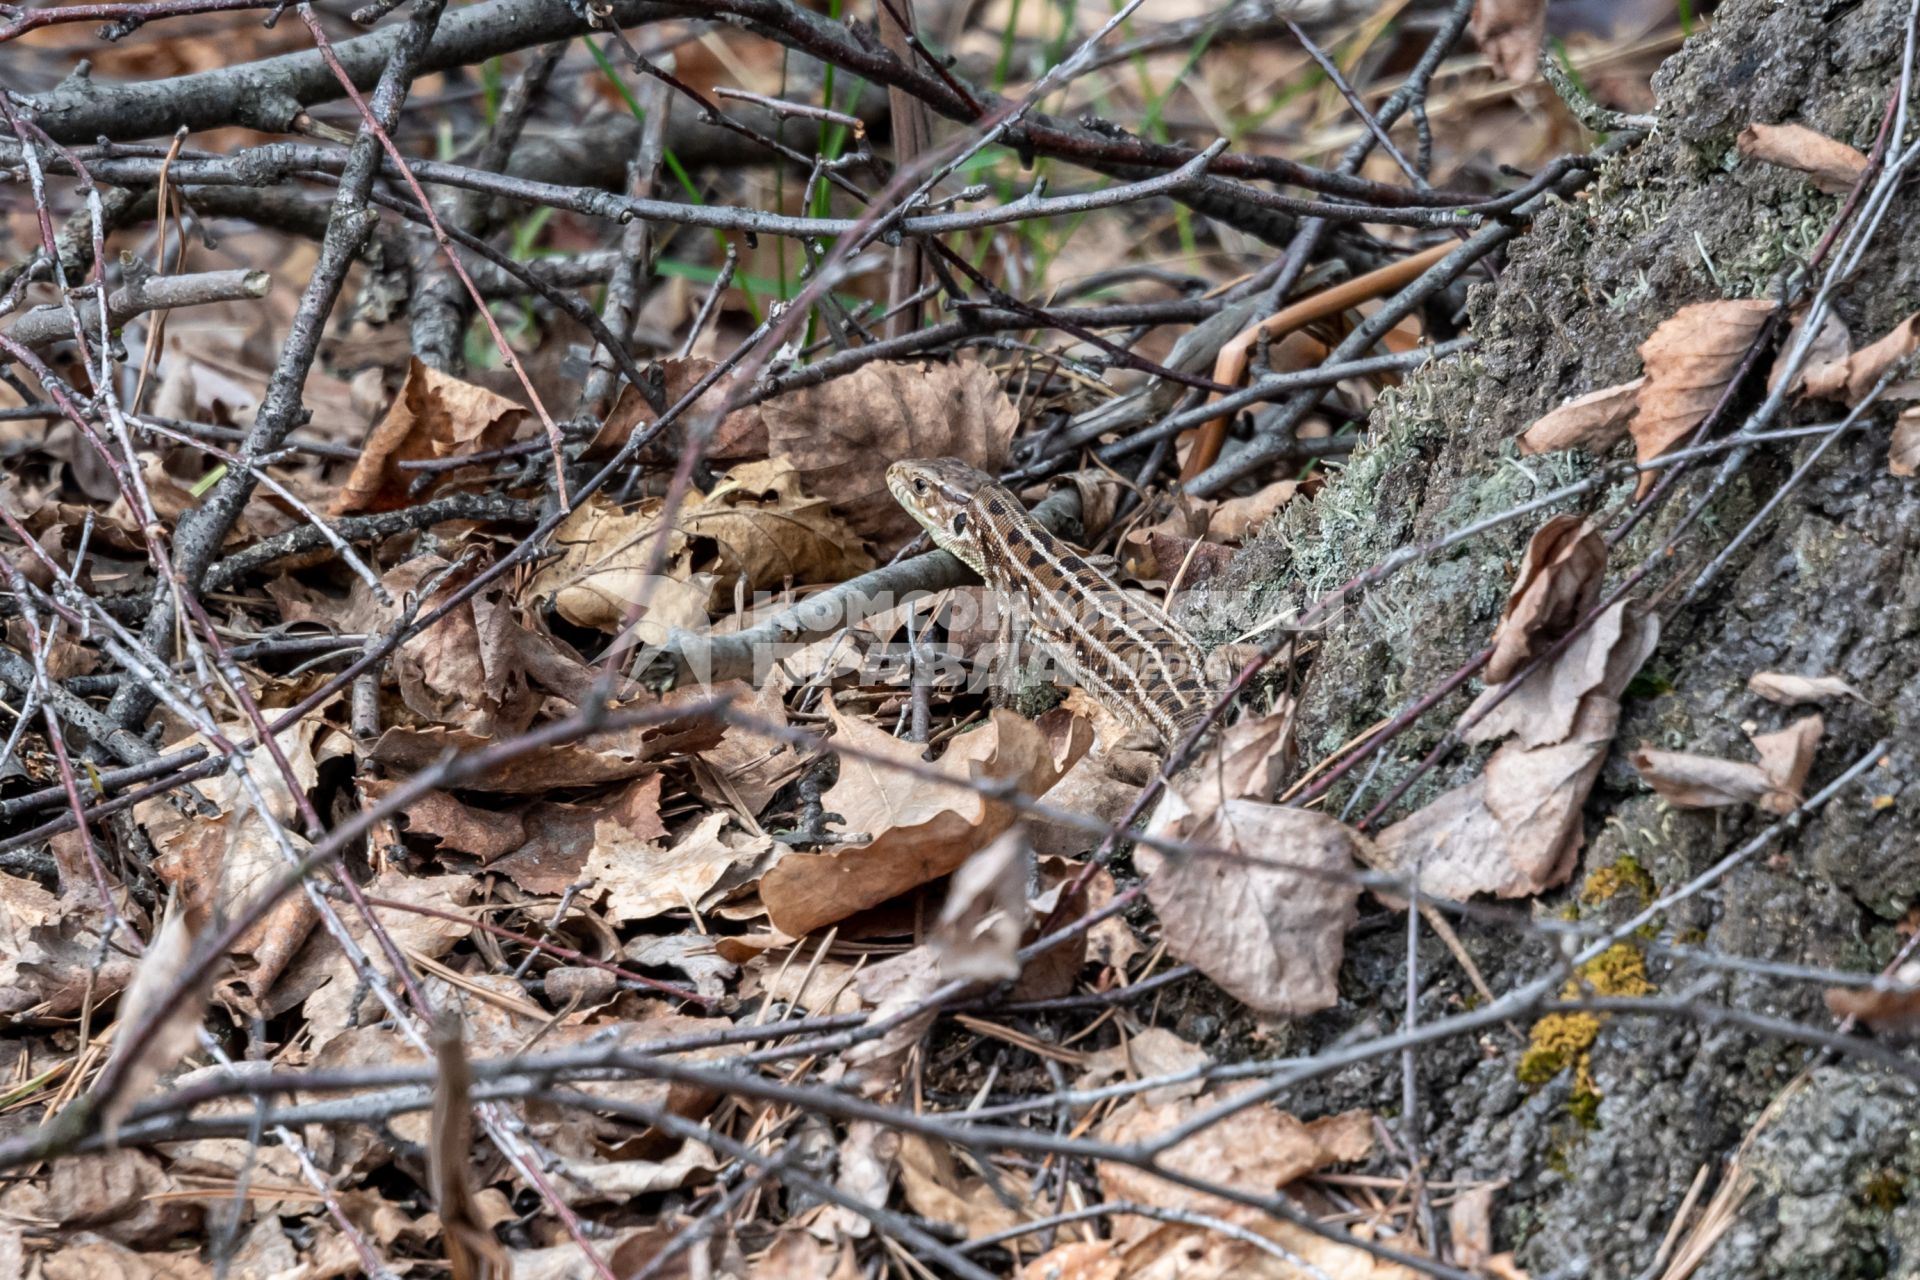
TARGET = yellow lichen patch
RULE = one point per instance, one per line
(1562, 1040)
(1626, 873)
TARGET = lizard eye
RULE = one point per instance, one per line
(919, 485)
(959, 522)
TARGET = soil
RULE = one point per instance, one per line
(1598, 1166)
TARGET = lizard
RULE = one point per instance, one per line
(1125, 650)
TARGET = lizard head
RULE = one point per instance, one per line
(942, 493)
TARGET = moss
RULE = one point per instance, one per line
(1606, 883)
(1884, 1190)
(1557, 1041)
(1563, 1040)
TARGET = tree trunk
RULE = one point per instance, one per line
(1830, 584)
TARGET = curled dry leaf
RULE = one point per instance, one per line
(165, 1044)
(1830, 346)
(741, 434)
(1850, 380)
(602, 576)
(1559, 581)
(1893, 1008)
(1833, 165)
(1595, 421)
(1265, 920)
(643, 880)
(1238, 519)
(434, 416)
(767, 532)
(1509, 32)
(919, 828)
(841, 434)
(1690, 358)
(1903, 452)
(984, 917)
(1516, 829)
(1686, 780)
(1793, 691)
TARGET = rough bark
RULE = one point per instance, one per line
(1832, 584)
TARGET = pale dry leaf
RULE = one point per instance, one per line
(1687, 780)
(1259, 1151)
(1792, 691)
(1237, 519)
(796, 1255)
(1832, 165)
(985, 915)
(1509, 32)
(643, 880)
(1891, 1006)
(1470, 1226)
(85, 1256)
(936, 1189)
(166, 1044)
(1689, 359)
(1830, 346)
(435, 416)
(1515, 830)
(1542, 710)
(1267, 920)
(1559, 580)
(869, 1157)
(919, 828)
(1595, 421)
(1787, 757)
(1153, 1052)
(841, 434)
(1850, 380)
(124, 1195)
(587, 1178)
(602, 575)
(1086, 1260)
(1903, 452)
(897, 989)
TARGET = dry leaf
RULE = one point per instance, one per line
(1903, 453)
(920, 829)
(1602, 659)
(985, 914)
(1689, 781)
(896, 988)
(1793, 691)
(1595, 422)
(1088, 1260)
(741, 434)
(642, 880)
(770, 533)
(85, 1256)
(1267, 920)
(1470, 1226)
(1893, 1008)
(1259, 1151)
(472, 1251)
(1515, 830)
(1830, 347)
(1237, 519)
(1559, 581)
(937, 1190)
(1509, 32)
(1850, 380)
(842, 434)
(601, 578)
(796, 1255)
(221, 863)
(165, 1046)
(1153, 1052)
(434, 416)
(1690, 358)
(1834, 166)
